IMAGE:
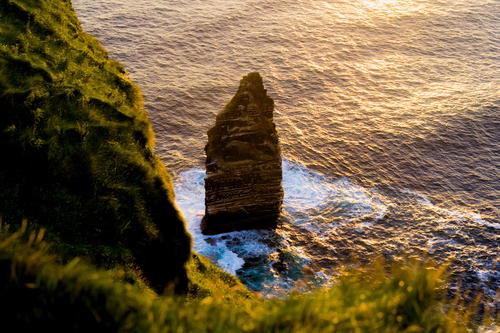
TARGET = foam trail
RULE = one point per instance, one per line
(453, 213)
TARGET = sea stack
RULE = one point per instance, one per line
(243, 167)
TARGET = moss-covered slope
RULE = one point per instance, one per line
(77, 147)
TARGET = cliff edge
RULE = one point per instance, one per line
(243, 167)
(77, 148)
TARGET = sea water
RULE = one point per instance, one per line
(388, 113)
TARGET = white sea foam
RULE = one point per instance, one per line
(310, 192)
(307, 195)
(304, 189)
(434, 244)
(228, 260)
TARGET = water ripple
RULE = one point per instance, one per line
(379, 103)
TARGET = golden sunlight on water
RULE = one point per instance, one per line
(392, 7)
(369, 11)
(387, 111)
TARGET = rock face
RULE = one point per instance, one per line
(243, 168)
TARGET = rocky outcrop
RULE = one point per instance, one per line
(243, 167)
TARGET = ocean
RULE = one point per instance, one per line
(388, 113)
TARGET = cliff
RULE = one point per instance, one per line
(77, 147)
(243, 167)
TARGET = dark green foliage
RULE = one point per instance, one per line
(36, 292)
(77, 147)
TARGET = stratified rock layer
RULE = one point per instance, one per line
(243, 183)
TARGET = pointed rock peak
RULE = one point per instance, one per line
(252, 83)
(251, 97)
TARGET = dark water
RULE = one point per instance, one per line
(388, 114)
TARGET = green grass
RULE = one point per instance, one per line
(77, 147)
(37, 291)
(207, 280)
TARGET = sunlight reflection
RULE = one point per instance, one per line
(392, 7)
(370, 9)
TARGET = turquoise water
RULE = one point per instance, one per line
(388, 114)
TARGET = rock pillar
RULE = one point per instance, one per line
(243, 167)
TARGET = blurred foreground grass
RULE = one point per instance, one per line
(37, 291)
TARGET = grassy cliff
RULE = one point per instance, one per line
(77, 147)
